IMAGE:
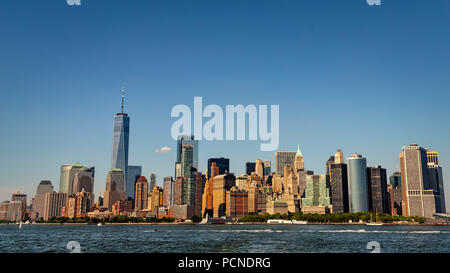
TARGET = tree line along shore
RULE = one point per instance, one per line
(332, 218)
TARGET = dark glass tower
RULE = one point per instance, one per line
(119, 159)
(222, 163)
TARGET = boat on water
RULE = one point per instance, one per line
(296, 222)
(278, 221)
(100, 224)
(374, 224)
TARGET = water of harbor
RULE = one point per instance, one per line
(224, 238)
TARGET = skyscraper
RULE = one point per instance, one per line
(54, 201)
(222, 163)
(134, 172)
(282, 159)
(395, 180)
(437, 184)
(152, 182)
(141, 196)
(267, 167)
(317, 194)
(187, 157)
(377, 186)
(419, 198)
(357, 176)
(168, 190)
(84, 179)
(119, 158)
(39, 199)
(115, 188)
(339, 184)
(259, 168)
(299, 161)
(250, 167)
(183, 139)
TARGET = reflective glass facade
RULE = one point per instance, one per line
(119, 159)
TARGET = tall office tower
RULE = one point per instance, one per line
(189, 190)
(182, 140)
(357, 178)
(236, 203)
(121, 134)
(207, 197)
(267, 167)
(178, 172)
(133, 174)
(15, 211)
(339, 157)
(437, 184)
(83, 179)
(187, 157)
(53, 203)
(152, 182)
(328, 164)
(377, 186)
(395, 180)
(419, 198)
(178, 190)
(115, 188)
(259, 168)
(39, 199)
(395, 199)
(155, 199)
(67, 176)
(168, 191)
(222, 163)
(317, 195)
(21, 197)
(222, 183)
(301, 176)
(250, 168)
(339, 187)
(282, 159)
(291, 193)
(141, 195)
(299, 161)
(433, 157)
(199, 187)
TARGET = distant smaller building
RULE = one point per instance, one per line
(276, 206)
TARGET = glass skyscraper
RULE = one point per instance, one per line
(183, 139)
(357, 176)
(119, 159)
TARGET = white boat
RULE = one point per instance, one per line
(374, 224)
(204, 220)
(278, 221)
(99, 224)
(296, 222)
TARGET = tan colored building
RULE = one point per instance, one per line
(141, 194)
(207, 197)
(277, 206)
(54, 201)
(315, 210)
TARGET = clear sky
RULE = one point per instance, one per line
(367, 79)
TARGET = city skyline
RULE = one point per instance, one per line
(288, 55)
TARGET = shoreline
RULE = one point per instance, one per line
(239, 223)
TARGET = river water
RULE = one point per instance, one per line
(224, 238)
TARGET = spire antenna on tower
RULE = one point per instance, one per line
(123, 97)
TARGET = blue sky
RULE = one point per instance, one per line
(346, 75)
